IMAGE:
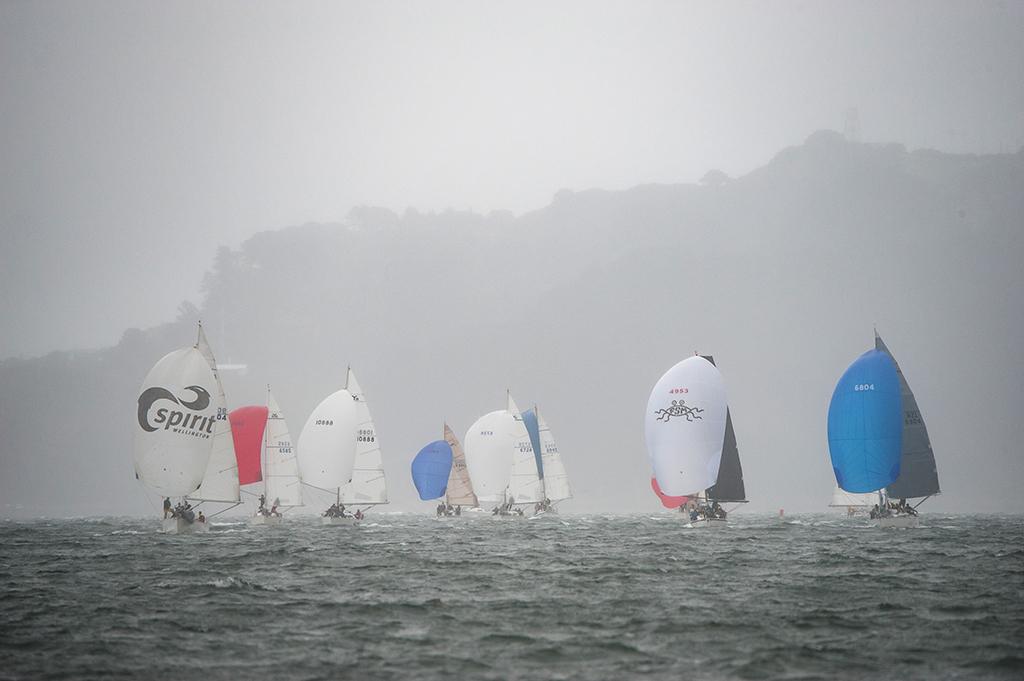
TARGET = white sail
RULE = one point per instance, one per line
(524, 485)
(556, 480)
(327, 444)
(685, 427)
(282, 467)
(489, 443)
(841, 497)
(177, 418)
(220, 482)
(368, 485)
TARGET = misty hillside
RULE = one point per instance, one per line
(580, 307)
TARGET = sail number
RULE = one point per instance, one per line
(324, 422)
(678, 391)
(864, 386)
(487, 432)
(366, 435)
(912, 417)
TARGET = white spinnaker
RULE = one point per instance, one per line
(685, 427)
(173, 441)
(841, 497)
(368, 484)
(524, 485)
(488, 445)
(556, 480)
(220, 482)
(282, 467)
(327, 444)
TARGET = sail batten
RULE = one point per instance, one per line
(918, 473)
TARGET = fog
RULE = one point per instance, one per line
(536, 223)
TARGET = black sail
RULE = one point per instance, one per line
(729, 486)
(918, 475)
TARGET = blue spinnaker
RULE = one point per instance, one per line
(865, 424)
(530, 419)
(430, 469)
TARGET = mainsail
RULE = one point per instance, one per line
(220, 482)
(460, 489)
(282, 467)
(556, 480)
(368, 485)
(430, 470)
(729, 486)
(178, 419)
(524, 485)
(865, 424)
(685, 427)
(918, 474)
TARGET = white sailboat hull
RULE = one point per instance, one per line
(182, 526)
(898, 521)
(708, 523)
(265, 520)
(324, 520)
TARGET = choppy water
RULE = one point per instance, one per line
(580, 597)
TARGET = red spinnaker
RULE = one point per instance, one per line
(247, 424)
(666, 500)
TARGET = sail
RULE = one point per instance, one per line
(430, 469)
(220, 482)
(556, 480)
(918, 474)
(460, 489)
(524, 485)
(666, 500)
(489, 443)
(283, 485)
(247, 426)
(865, 424)
(368, 485)
(327, 444)
(176, 421)
(533, 428)
(685, 427)
(843, 498)
(729, 486)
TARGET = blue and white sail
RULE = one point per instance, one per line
(865, 424)
(549, 461)
(431, 468)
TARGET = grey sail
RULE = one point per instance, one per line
(918, 475)
(729, 486)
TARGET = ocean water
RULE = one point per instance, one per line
(576, 597)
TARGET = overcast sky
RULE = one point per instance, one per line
(136, 137)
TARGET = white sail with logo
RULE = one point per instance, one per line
(220, 482)
(283, 486)
(178, 419)
(368, 486)
(524, 485)
(556, 480)
(685, 426)
(327, 444)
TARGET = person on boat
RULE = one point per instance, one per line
(494, 511)
(263, 504)
(458, 510)
(201, 518)
(874, 512)
(359, 514)
(167, 506)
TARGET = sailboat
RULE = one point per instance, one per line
(865, 430)
(368, 486)
(501, 463)
(919, 476)
(183, 446)
(261, 435)
(554, 479)
(327, 450)
(459, 491)
(685, 427)
(430, 470)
